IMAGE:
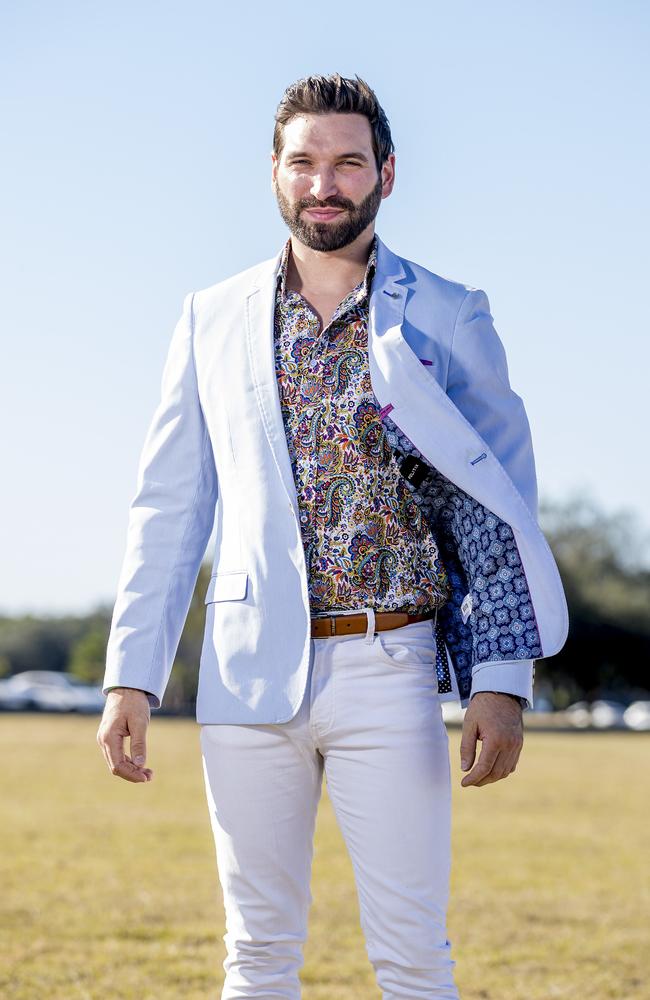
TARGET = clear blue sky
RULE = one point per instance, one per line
(136, 168)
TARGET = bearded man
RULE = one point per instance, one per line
(347, 417)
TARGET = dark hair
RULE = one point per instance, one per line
(321, 95)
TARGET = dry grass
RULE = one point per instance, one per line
(110, 889)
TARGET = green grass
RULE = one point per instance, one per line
(110, 889)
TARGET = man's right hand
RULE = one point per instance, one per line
(126, 713)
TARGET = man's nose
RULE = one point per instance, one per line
(324, 185)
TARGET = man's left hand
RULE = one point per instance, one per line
(496, 720)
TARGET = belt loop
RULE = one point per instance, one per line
(370, 631)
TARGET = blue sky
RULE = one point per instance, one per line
(136, 168)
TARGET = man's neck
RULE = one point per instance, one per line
(336, 271)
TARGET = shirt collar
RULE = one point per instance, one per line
(366, 281)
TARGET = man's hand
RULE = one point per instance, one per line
(496, 719)
(126, 713)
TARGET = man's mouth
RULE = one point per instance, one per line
(323, 214)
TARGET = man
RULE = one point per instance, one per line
(348, 416)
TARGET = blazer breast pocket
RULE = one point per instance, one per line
(229, 586)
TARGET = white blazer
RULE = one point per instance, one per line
(216, 446)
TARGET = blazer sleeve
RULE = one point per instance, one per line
(479, 385)
(170, 520)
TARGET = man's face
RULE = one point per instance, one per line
(326, 179)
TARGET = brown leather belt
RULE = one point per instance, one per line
(357, 621)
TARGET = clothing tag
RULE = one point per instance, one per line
(413, 469)
(466, 607)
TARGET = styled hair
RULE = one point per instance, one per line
(322, 95)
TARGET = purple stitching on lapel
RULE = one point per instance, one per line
(425, 361)
(386, 409)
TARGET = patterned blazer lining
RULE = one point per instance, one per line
(481, 557)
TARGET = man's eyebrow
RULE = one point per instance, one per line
(341, 156)
(353, 156)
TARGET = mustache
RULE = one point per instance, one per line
(333, 202)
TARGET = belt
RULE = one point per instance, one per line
(357, 621)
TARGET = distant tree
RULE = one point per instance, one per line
(31, 643)
(88, 656)
(603, 562)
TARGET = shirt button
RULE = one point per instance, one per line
(309, 411)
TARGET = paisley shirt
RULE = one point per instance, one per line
(366, 541)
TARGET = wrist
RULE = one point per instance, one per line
(522, 702)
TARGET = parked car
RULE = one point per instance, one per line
(607, 714)
(637, 716)
(13, 696)
(50, 691)
(579, 715)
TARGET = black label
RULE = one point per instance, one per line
(413, 469)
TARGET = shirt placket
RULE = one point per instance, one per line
(314, 397)
(323, 350)
(331, 343)
(310, 380)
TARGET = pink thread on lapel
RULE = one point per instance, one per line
(386, 409)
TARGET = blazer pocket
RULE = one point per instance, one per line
(226, 587)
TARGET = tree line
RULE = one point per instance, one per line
(603, 561)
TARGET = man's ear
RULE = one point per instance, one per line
(387, 175)
(274, 167)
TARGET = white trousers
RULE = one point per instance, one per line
(371, 720)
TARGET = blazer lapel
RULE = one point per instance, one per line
(423, 410)
(385, 318)
(260, 315)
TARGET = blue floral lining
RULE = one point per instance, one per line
(481, 557)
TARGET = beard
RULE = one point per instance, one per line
(328, 236)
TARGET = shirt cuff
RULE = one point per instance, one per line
(508, 676)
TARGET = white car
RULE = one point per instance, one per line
(579, 715)
(607, 714)
(637, 716)
(50, 691)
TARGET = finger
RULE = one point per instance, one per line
(500, 769)
(119, 763)
(513, 757)
(468, 744)
(113, 747)
(484, 764)
(508, 759)
(147, 771)
(129, 771)
(138, 741)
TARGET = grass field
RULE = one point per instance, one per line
(110, 889)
